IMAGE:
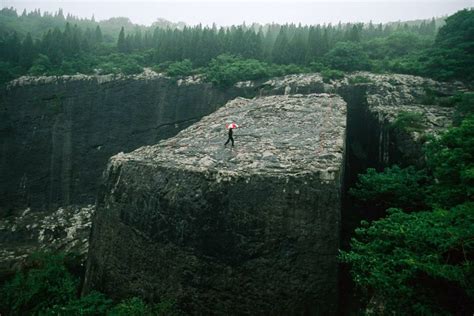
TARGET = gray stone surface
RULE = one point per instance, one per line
(65, 229)
(251, 229)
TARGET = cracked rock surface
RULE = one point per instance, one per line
(65, 229)
(249, 228)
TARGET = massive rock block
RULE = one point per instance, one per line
(252, 229)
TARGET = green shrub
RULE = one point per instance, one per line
(48, 285)
(131, 307)
(180, 68)
(331, 74)
(225, 70)
(359, 80)
(316, 66)
(94, 303)
(136, 307)
(6, 72)
(120, 63)
(41, 66)
(451, 160)
(464, 104)
(409, 122)
(394, 187)
(347, 56)
(431, 97)
(43, 284)
(418, 263)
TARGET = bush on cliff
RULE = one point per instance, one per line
(225, 70)
(180, 68)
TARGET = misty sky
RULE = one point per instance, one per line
(227, 12)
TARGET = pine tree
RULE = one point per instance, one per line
(121, 44)
(27, 52)
(98, 35)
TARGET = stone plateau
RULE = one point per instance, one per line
(250, 229)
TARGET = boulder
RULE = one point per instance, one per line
(251, 229)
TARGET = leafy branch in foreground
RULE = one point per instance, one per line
(418, 263)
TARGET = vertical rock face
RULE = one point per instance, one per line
(252, 229)
(57, 133)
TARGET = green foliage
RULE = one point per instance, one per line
(359, 80)
(451, 159)
(418, 263)
(6, 72)
(120, 63)
(226, 70)
(451, 56)
(394, 187)
(131, 307)
(347, 56)
(45, 283)
(48, 285)
(136, 307)
(180, 68)
(75, 45)
(94, 303)
(409, 122)
(41, 66)
(331, 74)
(464, 104)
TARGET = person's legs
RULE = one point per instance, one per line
(232, 139)
(228, 139)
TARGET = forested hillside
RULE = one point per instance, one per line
(51, 44)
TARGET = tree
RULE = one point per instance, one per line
(98, 35)
(27, 52)
(451, 56)
(40, 66)
(451, 159)
(347, 56)
(180, 68)
(394, 187)
(281, 48)
(121, 45)
(416, 264)
(420, 263)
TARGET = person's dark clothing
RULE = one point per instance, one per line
(230, 138)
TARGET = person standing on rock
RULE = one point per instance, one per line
(231, 126)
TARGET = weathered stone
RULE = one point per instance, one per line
(228, 229)
(66, 229)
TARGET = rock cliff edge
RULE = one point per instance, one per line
(249, 229)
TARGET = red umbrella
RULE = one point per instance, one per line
(231, 125)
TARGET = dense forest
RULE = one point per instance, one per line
(51, 44)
